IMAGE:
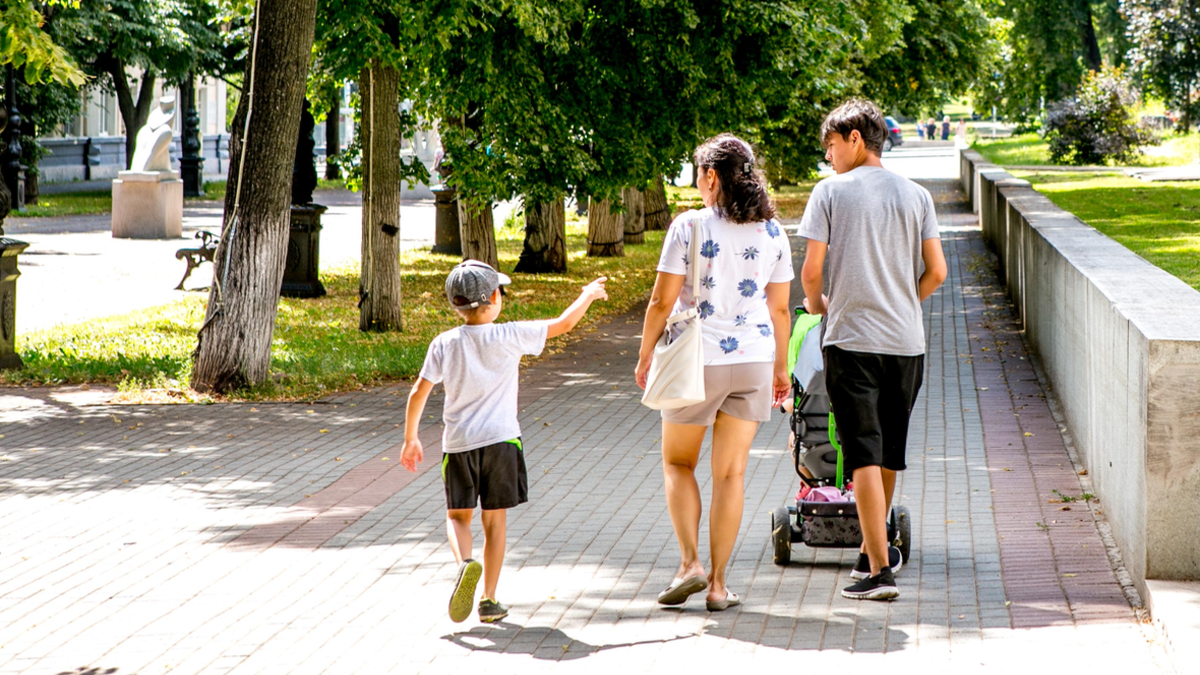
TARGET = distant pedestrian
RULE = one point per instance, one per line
(946, 128)
(483, 459)
(960, 133)
(931, 130)
(742, 297)
(920, 130)
(879, 232)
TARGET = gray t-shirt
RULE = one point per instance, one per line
(874, 222)
(479, 365)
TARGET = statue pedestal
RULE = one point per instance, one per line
(147, 205)
(9, 250)
(301, 277)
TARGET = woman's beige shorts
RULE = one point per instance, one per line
(741, 389)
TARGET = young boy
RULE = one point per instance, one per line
(483, 460)
(878, 230)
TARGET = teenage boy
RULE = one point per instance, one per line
(878, 230)
(483, 461)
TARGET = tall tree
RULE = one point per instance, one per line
(233, 349)
(1166, 51)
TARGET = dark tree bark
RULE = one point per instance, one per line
(1087, 30)
(658, 211)
(333, 139)
(379, 282)
(634, 216)
(545, 239)
(478, 233)
(133, 115)
(606, 230)
(233, 347)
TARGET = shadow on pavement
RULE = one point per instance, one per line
(539, 642)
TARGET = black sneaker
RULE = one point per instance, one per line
(464, 590)
(491, 611)
(862, 567)
(882, 586)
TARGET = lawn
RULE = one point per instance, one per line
(1158, 221)
(317, 346)
(1031, 150)
(95, 202)
(790, 200)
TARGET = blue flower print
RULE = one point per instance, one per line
(772, 229)
(778, 256)
(750, 253)
(706, 309)
(710, 249)
(740, 320)
(747, 287)
(729, 345)
(708, 282)
(764, 329)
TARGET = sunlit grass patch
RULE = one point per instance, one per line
(1158, 221)
(1032, 150)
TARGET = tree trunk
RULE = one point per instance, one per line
(333, 140)
(379, 282)
(478, 233)
(606, 230)
(1087, 30)
(133, 115)
(658, 211)
(233, 347)
(545, 239)
(634, 216)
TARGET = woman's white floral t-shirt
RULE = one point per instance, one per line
(736, 264)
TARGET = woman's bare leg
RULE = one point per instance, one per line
(731, 448)
(681, 451)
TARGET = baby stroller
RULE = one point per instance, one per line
(825, 515)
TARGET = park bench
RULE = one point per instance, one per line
(198, 255)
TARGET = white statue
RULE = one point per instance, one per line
(152, 149)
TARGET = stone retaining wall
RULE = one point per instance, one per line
(1119, 340)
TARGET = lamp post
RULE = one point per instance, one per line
(9, 250)
(10, 164)
(191, 165)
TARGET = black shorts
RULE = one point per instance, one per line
(493, 476)
(872, 397)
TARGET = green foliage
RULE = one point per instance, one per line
(25, 45)
(1166, 50)
(1097, 125)
(941, 51)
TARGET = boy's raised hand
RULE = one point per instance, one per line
(413, 454)
(596, 290)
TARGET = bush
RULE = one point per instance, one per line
(1098, 124)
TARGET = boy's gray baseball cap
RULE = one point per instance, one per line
(475, 281)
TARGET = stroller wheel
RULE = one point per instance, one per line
(781, 535)
(903, 521)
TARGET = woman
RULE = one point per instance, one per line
(745, 268)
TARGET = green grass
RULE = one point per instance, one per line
(790, 200)
(1031, 150)
(68, 204)
(317, 346)
(1158, 221)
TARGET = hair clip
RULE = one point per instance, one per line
(748, 168)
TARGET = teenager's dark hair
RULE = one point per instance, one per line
(857, 114)
(742, 189)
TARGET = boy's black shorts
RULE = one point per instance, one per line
(872, 397)
(493, 476)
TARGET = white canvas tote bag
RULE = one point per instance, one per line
(676, 377)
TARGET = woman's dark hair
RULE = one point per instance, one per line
(742, 189)
(857, 115)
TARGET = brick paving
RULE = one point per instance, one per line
(285, 538)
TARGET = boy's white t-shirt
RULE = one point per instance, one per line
(479, 366)
(736, 264)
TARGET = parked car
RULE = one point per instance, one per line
(894, 138)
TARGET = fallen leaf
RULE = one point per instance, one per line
(324, 431)
(337, 459)
(1027, 434)
(1007, 603)
(1065, 508)
(1081, 473)
(1070, 575)
(1007, 469)
(384, 459)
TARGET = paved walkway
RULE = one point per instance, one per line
(285, 538)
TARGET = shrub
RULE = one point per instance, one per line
(1096, 125)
